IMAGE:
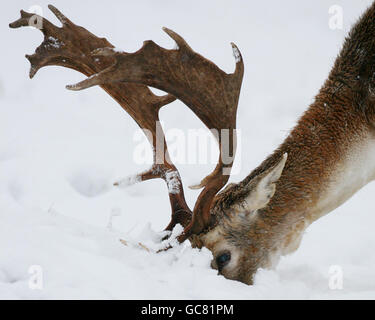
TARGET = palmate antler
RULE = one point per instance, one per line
(71, 46)
(208, 91)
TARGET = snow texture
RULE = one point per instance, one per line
(53, 42)
(60, 152)
(236, 54)
(129, 181)
(118, 50)
(173, 181)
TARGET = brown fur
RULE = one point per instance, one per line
(341, 117)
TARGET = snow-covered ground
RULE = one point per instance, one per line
(60, 152)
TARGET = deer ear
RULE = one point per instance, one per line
(262, 188)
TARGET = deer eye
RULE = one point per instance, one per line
(222, 260)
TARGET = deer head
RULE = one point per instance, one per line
(232, 241)
(208, 91)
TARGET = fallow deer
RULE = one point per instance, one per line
(327, 157)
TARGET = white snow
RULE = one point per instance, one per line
(118, 50)
(129, 181)
(60, 152)
(236, 54)
(53, 42)
(173, 181)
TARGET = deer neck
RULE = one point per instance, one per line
(331, 155)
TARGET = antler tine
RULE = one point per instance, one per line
(181, 43)
(71, 46)
(208, 91)
(59, 15)
(95, 79)
(239, 61)
(24, 21)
